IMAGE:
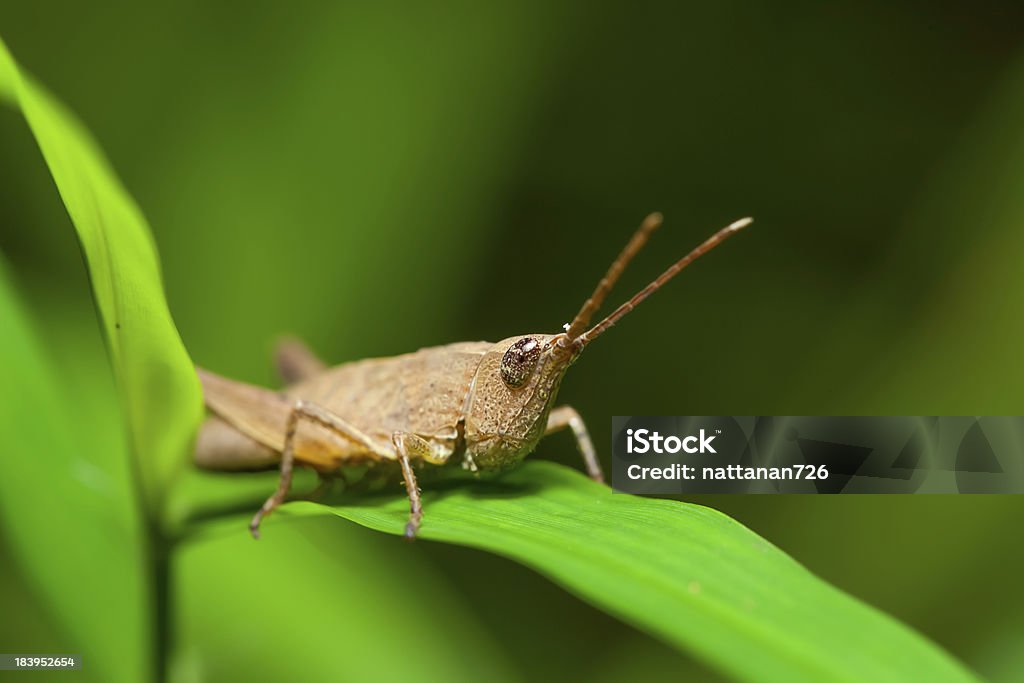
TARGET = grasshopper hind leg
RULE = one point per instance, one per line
(316, 414)
(222, 448)
(284, 483)
(295, 362)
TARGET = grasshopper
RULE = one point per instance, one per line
(479, 405)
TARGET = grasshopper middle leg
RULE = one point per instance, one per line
(325, 483)
(566, 416)
(318, 415)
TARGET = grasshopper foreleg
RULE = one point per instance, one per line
(566, 416)
(409, 446)
(316, 414)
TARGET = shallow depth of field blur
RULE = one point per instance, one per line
(380, 177)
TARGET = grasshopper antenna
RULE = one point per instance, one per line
(709, 244)
(591, 305)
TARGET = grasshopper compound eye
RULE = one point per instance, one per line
(519, 361)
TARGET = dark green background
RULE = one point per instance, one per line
(381, 178)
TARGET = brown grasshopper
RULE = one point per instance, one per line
(481, 405)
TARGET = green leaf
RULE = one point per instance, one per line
(69, 500)
(67, 492)
(686, 573)
(159, 390)
(323, 602)
(67, 503)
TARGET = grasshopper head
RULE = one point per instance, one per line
(515, 385)
(513, 390)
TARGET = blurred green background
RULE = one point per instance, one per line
(379, 178)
